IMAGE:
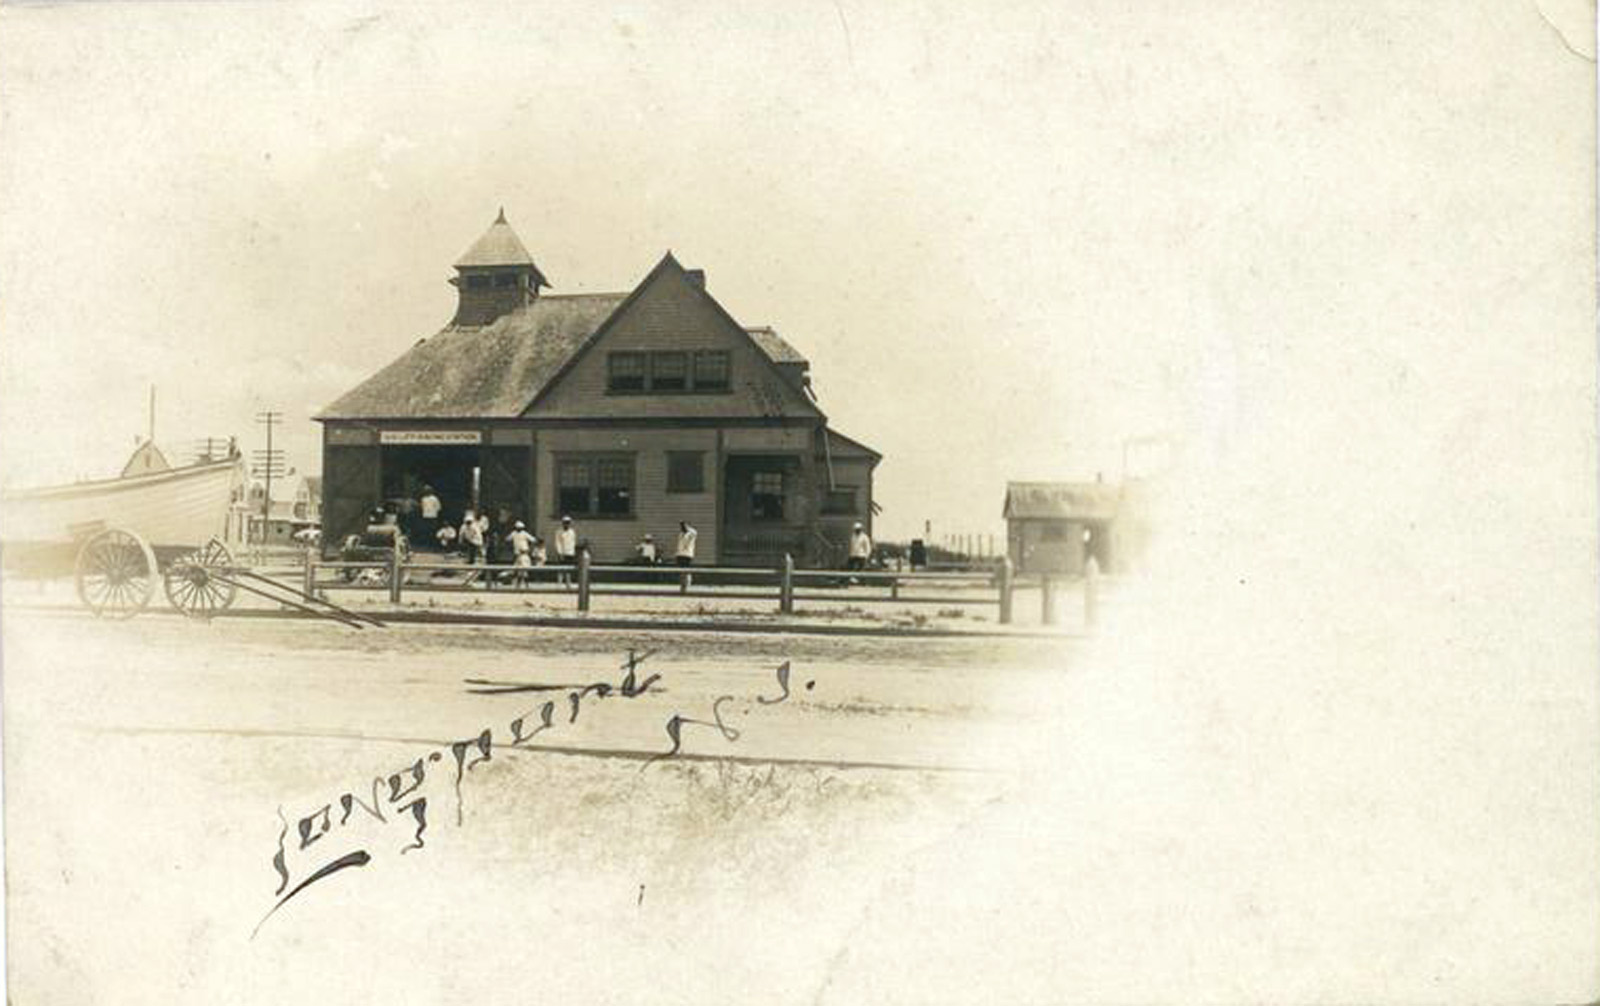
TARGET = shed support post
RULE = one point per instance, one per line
(1005, 591)
(395, 572)
(308, 581)
(1091, 591)
(786, 585)
(583, 580)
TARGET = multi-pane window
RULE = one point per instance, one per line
(573, 486)
(766, 495)
(711, 370)
(625, 372)
(477, 281)
(597, 485)
(685, 472)
(669, 371)
(614, 487)
(505, 279)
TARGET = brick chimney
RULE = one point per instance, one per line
(495, 276)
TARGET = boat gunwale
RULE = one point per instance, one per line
(112, 485)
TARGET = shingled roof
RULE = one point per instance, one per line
(496, 370)
(775, 346)
(1061, 501)
(499, 245)
(488, 372)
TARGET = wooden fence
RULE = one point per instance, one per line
(996, 586)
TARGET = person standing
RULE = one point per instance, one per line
(472, 538)
(566, 546)
(428, 507)
(521, 543)
(860, 548)
(687, 536)
(567, 543)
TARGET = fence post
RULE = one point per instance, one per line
(394, 574)
(1047, 599)
(1091, 591)
(309, 576)
(684, 579)
(1005, 591)
(786, 585)
(583, 580)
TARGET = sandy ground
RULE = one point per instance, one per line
(148, 762)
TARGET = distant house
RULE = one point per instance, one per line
(1053, 527)
(628, 412)
(308, 499)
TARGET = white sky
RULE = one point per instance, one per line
(1006, 240)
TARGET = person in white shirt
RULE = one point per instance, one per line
(566, 548)
(645, 551)
(428, 511)
(472, 538)
(447, 537)
(567, 542)
(521, 543)
(860, 548)
(686, 540)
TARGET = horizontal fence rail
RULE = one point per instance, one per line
(995, 585)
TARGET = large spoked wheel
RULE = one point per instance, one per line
(193, 583)
(116, 574)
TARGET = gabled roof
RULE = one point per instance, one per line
(492, 371)
(499, 245)
(668, 263)
(1061, 500)
(498, 370)
(774, 345)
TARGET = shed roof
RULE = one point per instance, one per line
(1061, 501)
(774, 345)
(492, 371)
(842, 446)
(499, 245)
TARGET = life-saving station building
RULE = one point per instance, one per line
(628, 412)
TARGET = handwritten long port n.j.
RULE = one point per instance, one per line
(324, 845)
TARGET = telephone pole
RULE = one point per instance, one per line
(264, 465)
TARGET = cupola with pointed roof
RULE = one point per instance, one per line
(495, 276)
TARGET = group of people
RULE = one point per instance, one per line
(482, 542)
(486, 541)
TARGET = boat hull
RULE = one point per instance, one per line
(180, 507)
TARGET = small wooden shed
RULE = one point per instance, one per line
(1053, 527)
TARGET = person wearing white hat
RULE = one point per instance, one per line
(645, 551)
(860, 548)
(521, 543)
(567, 542)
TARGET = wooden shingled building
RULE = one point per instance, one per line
(626, 411)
